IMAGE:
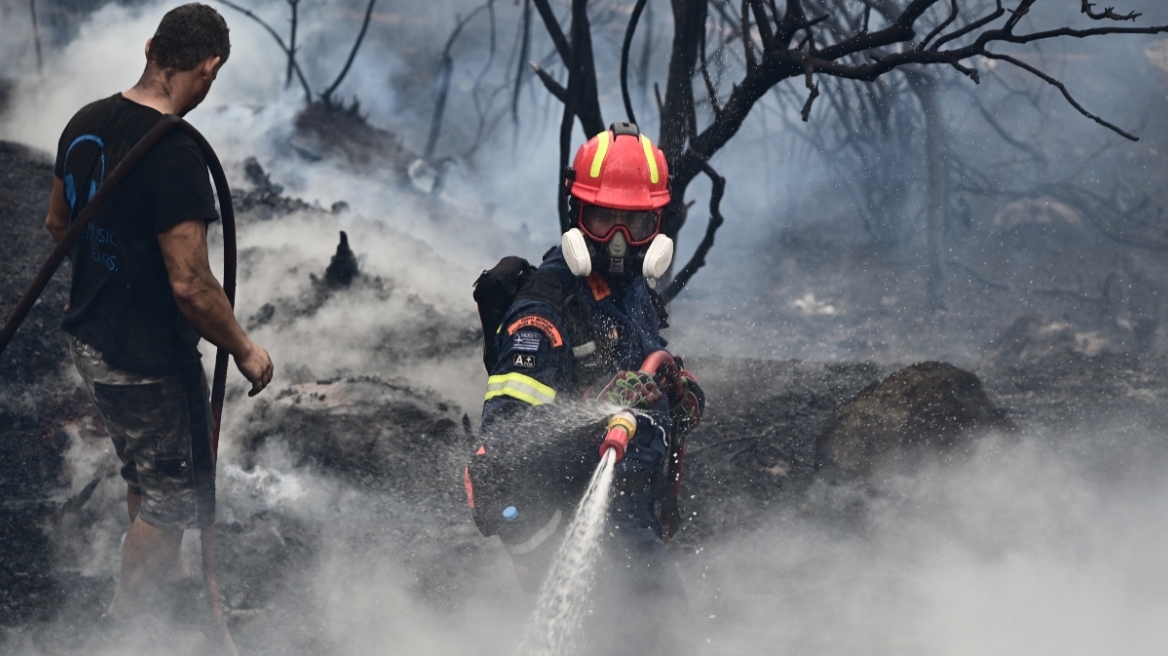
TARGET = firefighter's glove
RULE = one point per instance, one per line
(687, 412)
(631, 389)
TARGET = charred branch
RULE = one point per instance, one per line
(1004, 134)
(624, 60)
(288, 51)
(839, 43)
(566, 122)
(833, 60)
(445, 71)
(582, 73)
(554, 31)
(1062, 89)
(524, 49)
(813, 88)
(1108, 13)
(581, 93)
(942, 27)
(711, 90)
(549, 82)
(294, 7)
(482, 110)
(646, 54)
(976, 25)
(748, 46)
(327, 94)
(716, 220)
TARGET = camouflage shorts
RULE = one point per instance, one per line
(161, 430)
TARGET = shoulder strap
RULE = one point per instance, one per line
(587, 358)
(494, 292)
(659, 307)
(544, 287)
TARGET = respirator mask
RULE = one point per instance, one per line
(617, 242)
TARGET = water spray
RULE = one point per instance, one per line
(563, 597)
(164, 126)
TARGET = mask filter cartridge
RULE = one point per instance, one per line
(576, 252)
(658, 257)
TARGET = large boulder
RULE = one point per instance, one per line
(928, 406)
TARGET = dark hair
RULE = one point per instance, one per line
(187, 36)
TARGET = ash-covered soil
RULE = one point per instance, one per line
(342, 513)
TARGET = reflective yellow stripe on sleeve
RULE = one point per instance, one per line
(518, 386)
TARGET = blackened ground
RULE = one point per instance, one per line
(37, 402)
(371, 468)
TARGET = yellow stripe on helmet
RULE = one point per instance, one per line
(654, 176)
(518, 386)
(601, 151)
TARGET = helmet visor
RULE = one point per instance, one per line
(601, 223)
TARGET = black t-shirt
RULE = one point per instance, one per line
(120, 300)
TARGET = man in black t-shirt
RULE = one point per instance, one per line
(143, 294)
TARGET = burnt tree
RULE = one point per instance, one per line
(290, 49)
(801, 40)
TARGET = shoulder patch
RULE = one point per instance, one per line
(526, 340)
(542, 325)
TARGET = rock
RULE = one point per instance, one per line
(1042, 211)
(933, 405)
(343, 267)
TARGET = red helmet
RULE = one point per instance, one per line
(621, 169)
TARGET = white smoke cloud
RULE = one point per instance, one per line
(1033, 546)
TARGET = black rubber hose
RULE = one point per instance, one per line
(219, 379)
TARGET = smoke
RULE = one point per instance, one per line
(1049, 544)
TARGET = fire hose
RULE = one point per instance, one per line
(218, 385)
(623, 425)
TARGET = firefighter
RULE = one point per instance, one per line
(579, 330)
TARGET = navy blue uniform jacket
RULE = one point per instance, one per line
(535, 367)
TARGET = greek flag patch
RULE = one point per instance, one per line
(526, 340)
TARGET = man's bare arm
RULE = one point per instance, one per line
(202, 301)
(57, 221)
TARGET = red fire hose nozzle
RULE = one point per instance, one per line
(621, 428)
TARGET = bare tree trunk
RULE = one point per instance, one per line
(925, 86)
(677, 118)
(583, 74)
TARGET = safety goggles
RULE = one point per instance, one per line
(601, 223)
